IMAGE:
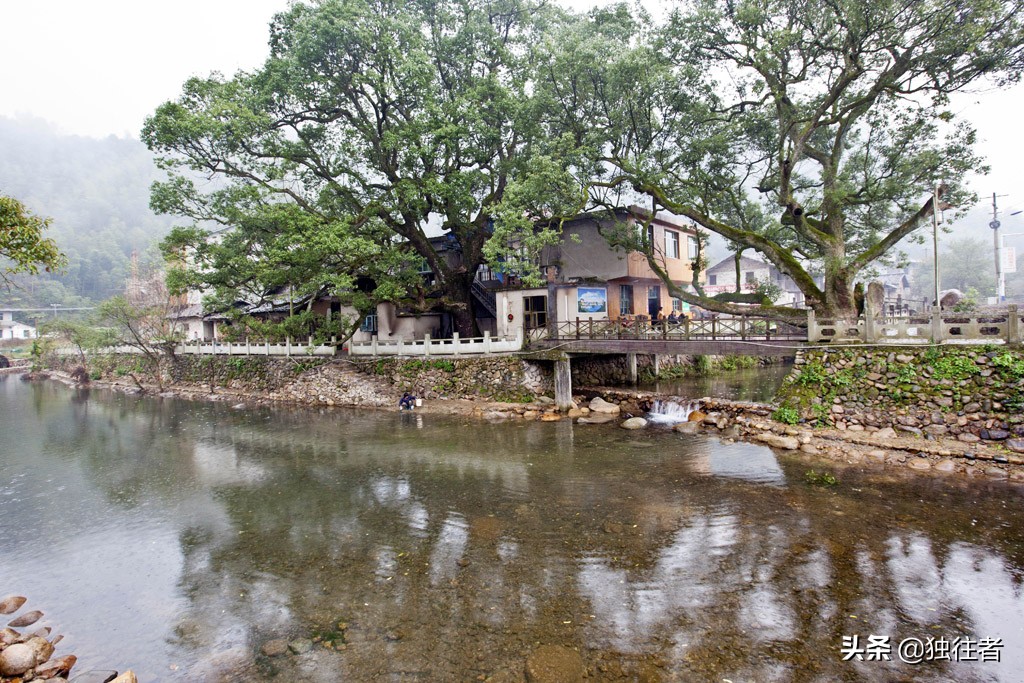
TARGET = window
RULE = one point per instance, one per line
(712, 280)
(671, 244)
(677, 305)
(748, 277)
(24, 333)
(369, 324)
(625, 299)
(535, 312)
(691, 248)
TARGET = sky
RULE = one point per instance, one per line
(99, 67)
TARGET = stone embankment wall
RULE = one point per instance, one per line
(498, 378)
(972, 394)
(373, 383)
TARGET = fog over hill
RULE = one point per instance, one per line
(96, 191)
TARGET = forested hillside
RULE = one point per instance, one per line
(96, 192)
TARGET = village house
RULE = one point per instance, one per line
(589, 279)
(722, 278)
(11, 329)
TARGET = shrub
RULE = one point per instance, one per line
(786, 415)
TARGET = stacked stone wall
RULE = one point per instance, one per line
(968, 393)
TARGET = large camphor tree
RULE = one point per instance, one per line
(23, 246)
(376, 123)
(812, 131)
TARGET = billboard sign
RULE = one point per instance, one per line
(592, 300)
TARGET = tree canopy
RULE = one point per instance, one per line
(374, 123)
(812, 132)
(23, 247)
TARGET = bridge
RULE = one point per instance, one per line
(742, 335)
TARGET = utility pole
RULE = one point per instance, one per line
(935, 240)
(998, 244)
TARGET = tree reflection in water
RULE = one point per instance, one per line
(451, 548)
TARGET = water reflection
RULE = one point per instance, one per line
(748, 384)
(176, 538)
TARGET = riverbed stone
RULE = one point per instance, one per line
(550, 417)
(995, 472)
(634, 423)
(687, 427)
(300, 646)
(1015, 445)
(599, 405)
(275, 647)
(945, 465)
(885, 433)
(554, 664)
(17, 659)
(127, 677)
(595, 419)
(789, 443)
(919, 464)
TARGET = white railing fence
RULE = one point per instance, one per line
(455, 346)
(936, 327)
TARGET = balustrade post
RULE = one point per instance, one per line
(426, 345)
(398, 341)
(1012, 325)
(590, 329)
(937, 325)
(743, 327)
(577, 327)
(455, 343)
(373, 345)
(487, 341)
(812, 327)
(247, 346)
(288, 346)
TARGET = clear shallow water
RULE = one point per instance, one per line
(175, 538)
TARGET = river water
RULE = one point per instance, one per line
(175, 538)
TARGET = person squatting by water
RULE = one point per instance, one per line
(407, 402)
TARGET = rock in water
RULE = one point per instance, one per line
(56, 667)
(26, 619)
(634, 423)
(11, 604)
(17, 659)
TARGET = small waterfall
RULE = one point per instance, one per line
(670, 412)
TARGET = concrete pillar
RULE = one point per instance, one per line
(936, 325)
(657, 365)
(563, 383)
(1012, 325)
(631, 365)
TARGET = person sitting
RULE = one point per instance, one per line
(672, 317)
(407, 402)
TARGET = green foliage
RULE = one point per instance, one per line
(23, 248)
(367, 123)
(786, 415)
(822, 412)
(702, 365)
(969, 302)
(811, 374)
(513, 396)
(768, 290)
(820, 479)
(824, 145)
(729, 363)
(1010, 364)
(954, 366)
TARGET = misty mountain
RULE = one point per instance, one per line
(96, 191)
